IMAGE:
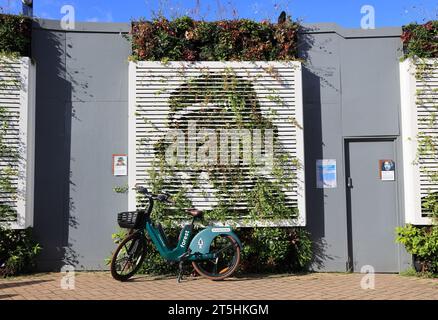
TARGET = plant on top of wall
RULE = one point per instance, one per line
(185, 39)
(15, 35)
(421, 40)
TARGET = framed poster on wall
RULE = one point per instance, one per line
(326, 174)
(120, 165)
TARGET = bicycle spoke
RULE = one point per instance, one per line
(223, 249)
(123, 269)
(215, 266)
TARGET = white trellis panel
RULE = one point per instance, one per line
(419, 112)
(17, 92)
(153, 83)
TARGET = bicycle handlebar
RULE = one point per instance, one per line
(164, 197)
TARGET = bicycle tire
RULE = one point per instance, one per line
(222, 274)
(135, 237)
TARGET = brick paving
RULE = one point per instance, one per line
(315, 286)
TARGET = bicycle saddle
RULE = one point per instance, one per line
(195, 213)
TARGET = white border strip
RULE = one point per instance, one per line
(301, 179)
(132, 147)
(409, 126)
(26, 165)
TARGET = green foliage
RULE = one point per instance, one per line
(267, 200)
(184, 39)
(430, 205)
(18, 251)
(121, 189)
(422, 242)
(15, 35)
(275, 249)
(421, 40)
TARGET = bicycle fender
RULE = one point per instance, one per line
(202, 241)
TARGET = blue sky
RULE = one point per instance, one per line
(344, 12)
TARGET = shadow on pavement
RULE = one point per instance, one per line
(7, 296)
(6, 285)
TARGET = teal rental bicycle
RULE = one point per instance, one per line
(214, 251)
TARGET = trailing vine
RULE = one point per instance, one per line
(426, 96)
(15, 40)
(9, 154)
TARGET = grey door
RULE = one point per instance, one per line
(372, 206)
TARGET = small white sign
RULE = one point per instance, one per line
(387, 170)
(326, 173)
(221, 230)
(120, 165)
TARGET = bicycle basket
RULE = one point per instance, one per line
(131, 220)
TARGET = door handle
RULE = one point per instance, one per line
(349, 182)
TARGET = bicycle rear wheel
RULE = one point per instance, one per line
(128, 257)
(227, 253)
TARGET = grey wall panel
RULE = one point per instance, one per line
(370, 86)
(326, 214)
(91, 66)
(49, 48)
(82, 119)
(321, 54)
(99, 129)
(351, 88)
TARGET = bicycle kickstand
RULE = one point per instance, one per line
(180, 273)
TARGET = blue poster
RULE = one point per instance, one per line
(326, 173)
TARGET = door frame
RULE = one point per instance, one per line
(399, 215)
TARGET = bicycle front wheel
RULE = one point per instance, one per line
(227, 253)
(128, 257)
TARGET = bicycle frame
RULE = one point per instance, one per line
(181, 250)
(188, 247)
